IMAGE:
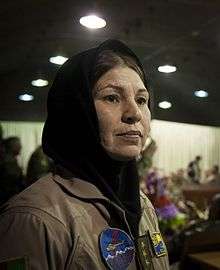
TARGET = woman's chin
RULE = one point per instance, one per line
(125, 154)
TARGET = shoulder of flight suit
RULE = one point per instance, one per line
(37, 238)
(46, 196)
(34, 225)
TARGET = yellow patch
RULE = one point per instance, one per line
(158, 244)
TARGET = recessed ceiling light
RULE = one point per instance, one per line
(165, 105)
(26, 97)
(39, 83)
(167, 69)
(92, 21)
(201, 93)
(58, 60)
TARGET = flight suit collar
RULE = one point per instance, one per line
(80, 188)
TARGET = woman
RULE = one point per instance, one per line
(88, 214)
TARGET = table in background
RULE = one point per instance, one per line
(206, 260)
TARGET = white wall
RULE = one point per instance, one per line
(179, 143)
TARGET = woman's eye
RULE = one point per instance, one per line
(141, 101)
(112, 98)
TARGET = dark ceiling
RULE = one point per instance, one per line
(185, 33)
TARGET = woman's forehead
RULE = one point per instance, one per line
(120, 77)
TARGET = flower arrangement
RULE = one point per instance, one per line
(170, 217)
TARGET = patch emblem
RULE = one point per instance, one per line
(158, 244)
(117, 248)
(14, 264)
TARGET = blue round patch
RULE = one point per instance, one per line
(117, 248)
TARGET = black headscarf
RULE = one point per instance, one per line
(71, 133)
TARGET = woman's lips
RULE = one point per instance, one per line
(131, 136)
(131, 133)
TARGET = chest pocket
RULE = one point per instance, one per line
(84, 257)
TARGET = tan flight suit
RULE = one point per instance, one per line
(56, 223)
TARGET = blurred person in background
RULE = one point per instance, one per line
(11, 175)
(194, 171)
(213, 176)
(38, 165)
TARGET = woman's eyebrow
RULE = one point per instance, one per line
(117, 87)
(143, 90)
(120, 88)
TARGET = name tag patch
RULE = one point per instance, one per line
(144, 250)
(117, 248)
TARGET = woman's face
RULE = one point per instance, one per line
(121, 99)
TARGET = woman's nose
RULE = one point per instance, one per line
(131, 113)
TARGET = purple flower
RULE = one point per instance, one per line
(167, 212)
